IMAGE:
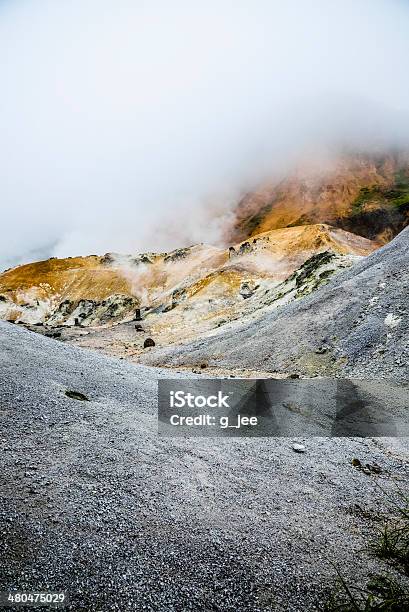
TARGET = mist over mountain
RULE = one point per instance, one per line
(141, 126)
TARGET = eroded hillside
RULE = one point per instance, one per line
(180, 295)
(355, 326)
(63, 288)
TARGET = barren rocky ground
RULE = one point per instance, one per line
(93, 501)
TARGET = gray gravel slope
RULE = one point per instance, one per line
(356, 326)
(92, 501)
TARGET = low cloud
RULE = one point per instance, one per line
(136, 125)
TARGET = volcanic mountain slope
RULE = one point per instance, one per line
(33, 292)
(357, 325)
(194, 290)
(183, 293)
(364, 194)
(59, 290)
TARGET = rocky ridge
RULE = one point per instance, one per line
(202, 282)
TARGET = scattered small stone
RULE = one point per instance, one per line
(203, 365)
(373, 468)
(368, 468)
(148, 342)
(392, 320)
(299, 448)
(76, 395)
(53, 334)
(139, 328)
(294, 375)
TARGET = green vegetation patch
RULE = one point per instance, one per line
(383, 592)
(396, 196)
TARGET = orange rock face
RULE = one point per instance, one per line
(71, 278)
(329, 194)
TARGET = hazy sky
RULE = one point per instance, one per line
(129, 125)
